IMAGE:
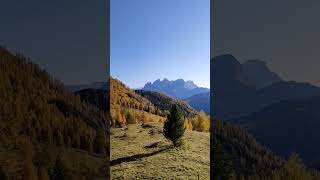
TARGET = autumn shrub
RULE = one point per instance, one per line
(120, 120)
(144, 118)
(201, 122)
(188, 124)
(161, 120)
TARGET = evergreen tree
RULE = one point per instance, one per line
(174, 126)
(58, 172)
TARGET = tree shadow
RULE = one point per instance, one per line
(137, 156)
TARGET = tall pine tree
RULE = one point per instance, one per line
(58, 172)
(174, 126)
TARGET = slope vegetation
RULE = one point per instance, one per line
(165, 102)
(235, 154)
(139, 149)
(288, 126)
(142, 152)
(42, 123)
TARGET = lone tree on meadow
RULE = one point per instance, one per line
(174, 126)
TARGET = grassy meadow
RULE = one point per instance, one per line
(140, 151)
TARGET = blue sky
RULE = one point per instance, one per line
(66, 38)
(156, 39)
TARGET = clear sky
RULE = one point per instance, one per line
(67, 38)
(156, 39)
(283, 33)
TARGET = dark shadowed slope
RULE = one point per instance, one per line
(94, 85)
(40, 119)
(288, 126)
(95, 97)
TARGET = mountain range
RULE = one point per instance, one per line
(239, 90)
(178, 89)
(280, 114)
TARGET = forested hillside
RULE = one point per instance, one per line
(96, 97)
(45, 130)
(288, 126)
(133, 107)
(235, 154)
(165, 102)
(128, 107)
(200, 102)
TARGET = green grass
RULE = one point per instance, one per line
(132, 159)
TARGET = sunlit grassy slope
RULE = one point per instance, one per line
(141, 152)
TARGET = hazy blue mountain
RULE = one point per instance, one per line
(200, 102)
(178, 89)
(190, 85)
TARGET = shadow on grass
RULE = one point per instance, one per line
(137, 157)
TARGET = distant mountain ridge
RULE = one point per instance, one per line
(179, 89)
(239, 90)
(258, 74)
(200, 102)
(95, 85)
(283, 115)
(144, 100)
